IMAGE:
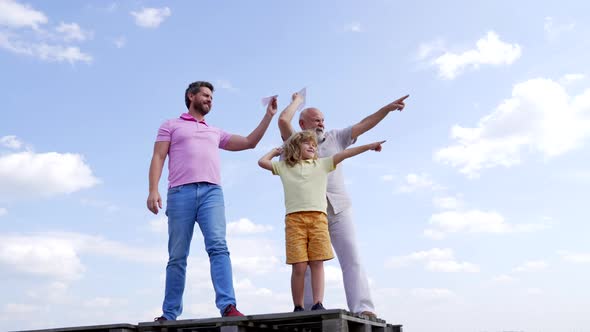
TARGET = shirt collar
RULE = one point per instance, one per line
(188, 117)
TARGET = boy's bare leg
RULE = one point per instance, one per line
(317, 281)
(298, 282)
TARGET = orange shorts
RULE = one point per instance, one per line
(307, 237)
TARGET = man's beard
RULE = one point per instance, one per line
(319, 134)
(202, 109)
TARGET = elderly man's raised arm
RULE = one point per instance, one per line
(372, 120)
(286, 116)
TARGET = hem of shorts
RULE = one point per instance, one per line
(312, 260)
(291, 212)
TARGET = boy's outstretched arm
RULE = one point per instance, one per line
(266, 160)
(351, 152)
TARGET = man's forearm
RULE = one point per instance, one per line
(369, 122)
(256, 135)
(266, 160)
(155, 172)
(285, 119)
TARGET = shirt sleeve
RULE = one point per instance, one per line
(327, 164)
(164, 132)
(276, 167)
(223, 138)
(344, 137)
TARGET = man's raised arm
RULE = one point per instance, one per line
(238, 143)
(372, 120)
(286, 116)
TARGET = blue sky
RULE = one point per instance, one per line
(472, 218)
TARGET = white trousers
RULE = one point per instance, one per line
(356, 284)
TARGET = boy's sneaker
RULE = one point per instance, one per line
(298, 308)
(318, 306)
(231, 311)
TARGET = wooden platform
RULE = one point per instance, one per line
(334, 320)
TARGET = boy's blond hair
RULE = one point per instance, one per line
(292, 152)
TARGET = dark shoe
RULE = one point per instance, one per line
(231, 311)
(318, 306)
(298, 308)
(160, 319)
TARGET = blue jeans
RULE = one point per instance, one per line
(186, 204)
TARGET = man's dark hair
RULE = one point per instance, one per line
(195, 87)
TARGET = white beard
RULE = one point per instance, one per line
(320, 136)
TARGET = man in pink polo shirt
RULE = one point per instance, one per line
(195, 194)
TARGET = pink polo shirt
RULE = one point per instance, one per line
(194, 150)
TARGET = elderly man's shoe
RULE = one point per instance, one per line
(369, 314)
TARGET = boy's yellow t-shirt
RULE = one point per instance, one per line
(305, 184)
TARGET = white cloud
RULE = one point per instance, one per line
(102, 205)
(575, 257)
(489, 50)
(120, 42)
(196, 265)
(433, 254)
(11, 142)
(226, 85)
(432, 293)
(333, 275)
(16, 15)
(531, 266)
(59, 53)
(436, 259)
(504, 278)
(353, 27)
(245, 226)
(425, 50)
(44, 51)
(451, 266)
(255, 254)
(540, 116)
(18, 308)
(246, 286)
(37, 254)
(553, 30)
(151, 17)
(447, 203)
(534, 291)
(159, 225)
(53, 291)
(73, 31)
(255, 264)
(570, 78)
(3, 211)
(27, 173)
(103, 302)
(474, 221)
(415, 182)
(387, 177)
